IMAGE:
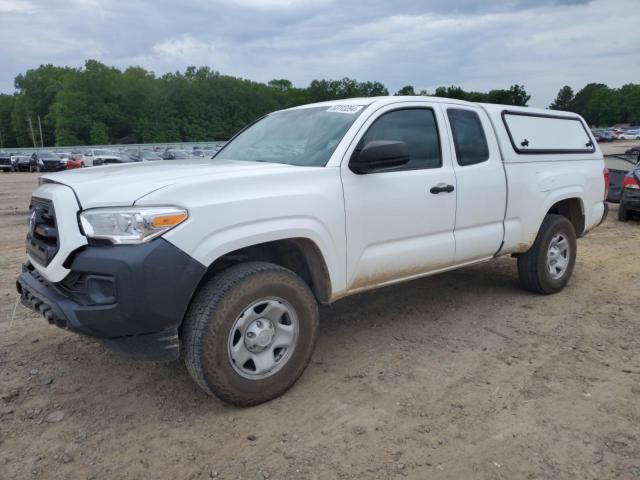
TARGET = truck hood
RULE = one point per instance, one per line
(123, 184)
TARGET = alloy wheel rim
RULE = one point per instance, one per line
(263, 338)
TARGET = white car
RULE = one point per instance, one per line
(98, 156)
(630, 135)
(223, 262)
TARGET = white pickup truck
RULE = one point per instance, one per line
(223, 261)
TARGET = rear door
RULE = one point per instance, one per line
(400, 222)
(481, 183)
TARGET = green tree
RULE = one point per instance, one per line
(99, 134)
(7, 133)
(281, 84)
(564, 99)
(598, 104)
(36, 90)
(629, 98)
(406, 90)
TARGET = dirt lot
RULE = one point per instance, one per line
(462, 375)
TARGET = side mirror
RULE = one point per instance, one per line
(379, 155)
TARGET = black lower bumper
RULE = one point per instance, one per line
(630, 199)
(131, 297)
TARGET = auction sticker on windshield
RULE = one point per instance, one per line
(345, 108)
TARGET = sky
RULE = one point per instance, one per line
(475, 44)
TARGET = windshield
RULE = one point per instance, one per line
(303, 137)
(48, 156)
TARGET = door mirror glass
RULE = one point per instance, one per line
(380, 155)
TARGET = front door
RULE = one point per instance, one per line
(400, 222)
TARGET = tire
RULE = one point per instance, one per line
(534, 268)
(214, 314)
(623, 213)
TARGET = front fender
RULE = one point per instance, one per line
(208, 248)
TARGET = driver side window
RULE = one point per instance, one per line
(417, 128)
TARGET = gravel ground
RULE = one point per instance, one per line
(461, 375)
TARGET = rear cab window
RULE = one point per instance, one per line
(469, 137)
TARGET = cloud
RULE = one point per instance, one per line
(16, 6)
(543, 44)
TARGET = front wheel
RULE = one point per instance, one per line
(250, 332)
(623, 213)
(548, 265)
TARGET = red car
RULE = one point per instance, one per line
(75, 160)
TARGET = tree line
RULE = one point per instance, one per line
(99, 104)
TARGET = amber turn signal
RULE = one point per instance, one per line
(168, 220)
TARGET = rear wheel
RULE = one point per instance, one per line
(623, 213)
(250, 332)
(548, 265)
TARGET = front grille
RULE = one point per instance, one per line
(42, 240)
(5, 161)
(51, 165)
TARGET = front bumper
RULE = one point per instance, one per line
(132, 297)
(630, 198)
(52, 166)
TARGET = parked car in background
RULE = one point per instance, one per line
(603, 136)
(27, 163)
(16, 159)
(106, 157)
(75, 160)
(630, 198)
(48, 161)
(177, 155)
(144, 155)
(5, 162)
(619, 166)
(91, 153)
(634, 152)
(630, 135)
(615, 132)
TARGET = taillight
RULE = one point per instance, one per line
(605, 172)
(630, 182)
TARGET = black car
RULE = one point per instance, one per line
(618, 166)
(634, 152)
(5, 162)
(47, 162)
(26, 163)
(630, 198)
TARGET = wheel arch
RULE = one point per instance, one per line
(573, 209)
(299, 254)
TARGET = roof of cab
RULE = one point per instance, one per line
(386, 100)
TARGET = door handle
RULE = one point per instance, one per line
(441, 188)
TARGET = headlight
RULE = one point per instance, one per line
(130, 225)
